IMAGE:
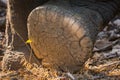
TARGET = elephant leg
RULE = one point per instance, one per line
(63, 35)
(16, 26)
(18, 11)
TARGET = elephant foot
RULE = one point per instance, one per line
(63, 38)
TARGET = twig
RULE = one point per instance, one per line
(100, 68)
(115, 72)
(70, 76)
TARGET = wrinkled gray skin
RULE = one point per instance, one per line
(19, 10)
(104, 7)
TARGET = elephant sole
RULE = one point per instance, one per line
(61, 38)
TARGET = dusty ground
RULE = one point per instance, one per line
(104, 65)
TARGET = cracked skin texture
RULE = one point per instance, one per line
(60, 38)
